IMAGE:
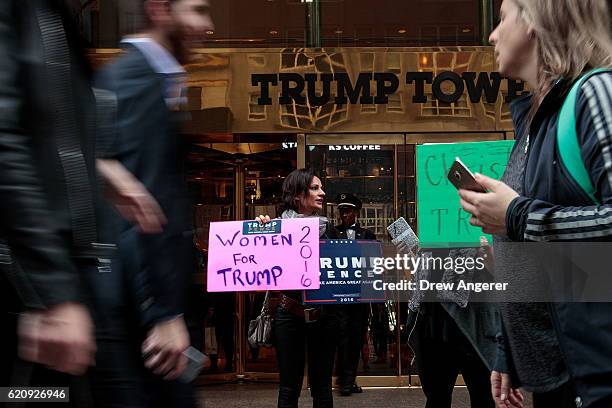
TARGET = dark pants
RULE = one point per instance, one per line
(380, 330)
(352, 323)
(294, 339)
(119, 379)
(562, 397)
(224, 304)
(9, 307)
(441, 358)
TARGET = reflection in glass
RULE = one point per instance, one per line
(211, 186)
(368, 174)
(265, 172)
(285, 23)
(213, 174)
(368, 171)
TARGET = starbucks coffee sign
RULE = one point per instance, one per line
(375, 88)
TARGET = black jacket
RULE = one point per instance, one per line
(35, 219)
(158, 266)
(554, 208)
(360, 232)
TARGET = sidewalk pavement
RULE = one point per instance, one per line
(264, 396)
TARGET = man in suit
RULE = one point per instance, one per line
(147, 80)
(353, 319)
(348, 207)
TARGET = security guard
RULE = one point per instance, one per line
(353, 319)
(349, 207)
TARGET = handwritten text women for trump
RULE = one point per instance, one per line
(247, 256)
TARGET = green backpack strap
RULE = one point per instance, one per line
(567, 139)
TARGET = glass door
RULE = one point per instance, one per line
(379, 170)
(211, 177)
(233, 181)
(267, 167)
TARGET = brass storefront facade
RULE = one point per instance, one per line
(240, 151)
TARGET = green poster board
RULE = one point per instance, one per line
(441, 220)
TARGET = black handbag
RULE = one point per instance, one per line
(260, 328)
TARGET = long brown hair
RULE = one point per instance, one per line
(296, 183)
(572, 36)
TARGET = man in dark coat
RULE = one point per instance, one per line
(353, 319)
(49, 247)
(348, 207)
(147, 80)
(35, 220)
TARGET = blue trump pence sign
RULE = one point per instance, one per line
(346, 273)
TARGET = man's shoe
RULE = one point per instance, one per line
(355, 389)
(346, 390)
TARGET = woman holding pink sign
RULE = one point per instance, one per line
(299, 330)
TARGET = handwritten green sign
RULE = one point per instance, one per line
(441, 220)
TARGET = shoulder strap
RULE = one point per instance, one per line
(58, 65)
(568, 142)
(265, 307)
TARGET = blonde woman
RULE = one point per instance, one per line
(562, 351)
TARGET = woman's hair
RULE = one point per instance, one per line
(296, 183)
(572, 36)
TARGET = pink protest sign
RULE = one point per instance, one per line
(246, 256)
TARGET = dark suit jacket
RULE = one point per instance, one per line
(158, 266)
(35, 218)
(360, 233)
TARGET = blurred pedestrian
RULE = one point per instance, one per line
(51, 251)
(147, 80)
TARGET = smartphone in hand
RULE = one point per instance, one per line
(401, 232)
(196, 361)
(462, 178)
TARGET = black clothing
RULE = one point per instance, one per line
(360, 233)
(442, 353)
(452, 339)
(294, 339)
(352, 319)
(348, 200)
(46, 106)
(223, 321)
(148, 145)
(153, 269)
(379, 325)
(35, 217)
(561, 397)
(352, 326)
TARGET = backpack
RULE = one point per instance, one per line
(567, 139)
